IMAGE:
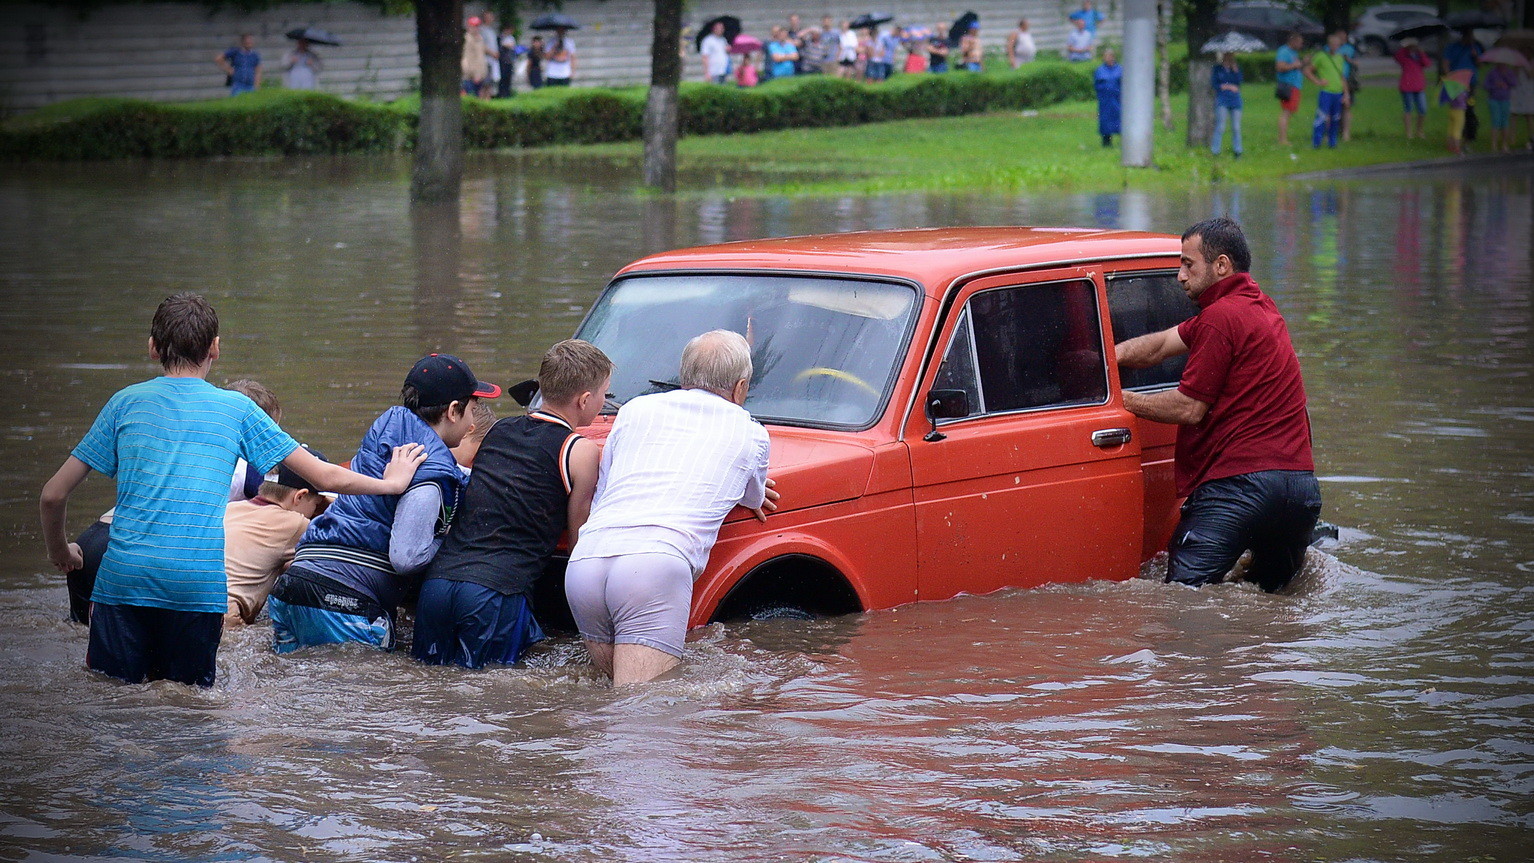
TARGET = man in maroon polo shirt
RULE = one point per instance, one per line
(1243, 439)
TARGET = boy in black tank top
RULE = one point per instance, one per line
(534, 477)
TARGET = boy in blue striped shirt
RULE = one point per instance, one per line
(172, 443)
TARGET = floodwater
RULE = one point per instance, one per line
(1381, 711)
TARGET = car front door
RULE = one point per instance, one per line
(1041, 481)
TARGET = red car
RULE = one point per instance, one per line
(945, 413)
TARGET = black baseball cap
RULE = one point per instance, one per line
(440, 380)
(286, 477)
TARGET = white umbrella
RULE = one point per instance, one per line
(1238, 43)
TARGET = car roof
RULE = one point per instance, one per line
(934, 257)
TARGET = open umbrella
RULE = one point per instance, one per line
(314, 35)
(1505, 55)
(554, 21)
(1420, 27)
(1238, 43)
(744, 44)
(1475, 19)
(961, 25)
(731, 29)
(1456, 83)
(869, 20)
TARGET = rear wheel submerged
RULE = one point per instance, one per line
(792, 587)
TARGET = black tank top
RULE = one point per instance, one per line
(515, 508)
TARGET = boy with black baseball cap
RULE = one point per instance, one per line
(356, 560)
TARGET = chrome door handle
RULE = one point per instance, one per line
(1111, 437)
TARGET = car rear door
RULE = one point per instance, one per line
(1042, 481)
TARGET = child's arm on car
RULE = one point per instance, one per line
(53, 506)
(332, 477)
(585, 467)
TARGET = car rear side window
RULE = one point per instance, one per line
(1035, 346)
(1140, 303)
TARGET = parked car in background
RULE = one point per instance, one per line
(945, 413)
(1271, 22)
(1372, 32)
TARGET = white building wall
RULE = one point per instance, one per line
(164, 51)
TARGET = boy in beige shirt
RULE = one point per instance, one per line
(260, 535)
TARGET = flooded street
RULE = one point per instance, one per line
(1384, 710)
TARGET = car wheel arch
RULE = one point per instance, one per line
(801, 579)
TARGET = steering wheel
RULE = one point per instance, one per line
(838, 374)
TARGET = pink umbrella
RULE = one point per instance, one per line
(1505, 55)
(744, 44)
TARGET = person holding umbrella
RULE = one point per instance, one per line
(1500, 82)
(1108, 81)
(715, 50)
(1225, 79)
(559, 58)
(301, 68)
(1413, 86)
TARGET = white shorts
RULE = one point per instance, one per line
(631, 599)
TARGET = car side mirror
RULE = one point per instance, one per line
(945, 404)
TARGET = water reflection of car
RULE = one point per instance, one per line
(944, 412)
(1271, 22)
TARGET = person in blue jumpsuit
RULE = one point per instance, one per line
(1109, 83)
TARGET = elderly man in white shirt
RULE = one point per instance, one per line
(673, 467)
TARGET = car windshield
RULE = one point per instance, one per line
(824, 350)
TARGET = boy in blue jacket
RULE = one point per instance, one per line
(358, 558)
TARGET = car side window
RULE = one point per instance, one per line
(1140, 303)
(958, 369)
(1039, 346)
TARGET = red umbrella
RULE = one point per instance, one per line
(744, 44)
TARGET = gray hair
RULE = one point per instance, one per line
(716, 361)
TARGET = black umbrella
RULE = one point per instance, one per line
(870, 20)
(314, 35)
(731, 29)
(554, 21)
(1422, 27)
(961, 25)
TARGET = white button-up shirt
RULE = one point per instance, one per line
(673, 467)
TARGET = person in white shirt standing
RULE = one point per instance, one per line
(673, 467)
(716, 55)
(1020, 45)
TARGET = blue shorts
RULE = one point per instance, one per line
(462, 623)
(136, 643)
(308, 609)
(1500, 111)
(236, 88)
(1270, 512)
(1414, 102)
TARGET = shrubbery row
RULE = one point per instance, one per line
(287, 123)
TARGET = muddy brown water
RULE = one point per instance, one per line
(1381, 711)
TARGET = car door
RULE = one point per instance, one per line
(1141, 301)
(1041, 482)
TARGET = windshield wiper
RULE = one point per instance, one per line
(665, 386)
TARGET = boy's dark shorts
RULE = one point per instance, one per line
(136, 643)
(82, 581)
(1270, 512)
(461, 623)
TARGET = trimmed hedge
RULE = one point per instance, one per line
(276, 122)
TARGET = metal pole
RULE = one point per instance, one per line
(1139, 81)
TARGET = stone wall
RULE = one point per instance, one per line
(165, 51)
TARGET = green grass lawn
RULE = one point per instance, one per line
(1056, 148)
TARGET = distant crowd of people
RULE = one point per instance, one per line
(244, 69)
(873, 52)
(494, 60)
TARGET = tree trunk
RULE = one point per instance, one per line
(1201, 28)
(1164, 67)
(660, 110)
(438, 168)
(1335, 14)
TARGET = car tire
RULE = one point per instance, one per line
(780, 611)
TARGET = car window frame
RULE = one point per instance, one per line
(1099, 307)
(1108, 278)
(899, 357)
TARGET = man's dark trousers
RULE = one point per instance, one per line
(1271, 512)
